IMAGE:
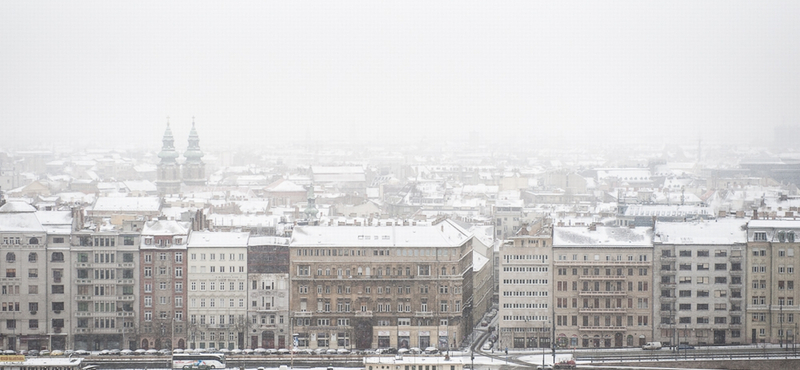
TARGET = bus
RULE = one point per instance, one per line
(199, 361)
(19, 362)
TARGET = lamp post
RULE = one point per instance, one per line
(685, 334)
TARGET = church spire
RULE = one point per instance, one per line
(194, 172)
(168, 153)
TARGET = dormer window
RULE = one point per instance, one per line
(760, 236)
(148, 241)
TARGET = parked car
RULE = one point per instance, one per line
(685, 346)
(431, 350)
(126, 352)
(104, 352)
(652, 345)
(44, 352)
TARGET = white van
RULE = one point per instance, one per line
(652, 345)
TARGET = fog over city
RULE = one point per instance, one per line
(96, 74)
(337, 184)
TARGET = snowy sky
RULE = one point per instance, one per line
(111, 72)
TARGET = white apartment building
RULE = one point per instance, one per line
(526, 289)
(217, 289)
(700, 268)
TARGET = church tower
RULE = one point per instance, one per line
(194, 170)
(168, 179)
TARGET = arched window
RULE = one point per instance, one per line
(11, 257)
(33, 241)
(444, 270)
(32, 257)
(454, 271)
(57, 257)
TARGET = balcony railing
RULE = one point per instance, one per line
(363, 313)
(302, 313)
(601, 310)
(423, 314)
(602, 277)
(601, 263)
(602, 293)
(602, 328)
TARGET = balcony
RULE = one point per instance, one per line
(423, 314)
(602, 263)
(601, 328)
(668, 272)
(302, 313)
(736, 272)
(363, 313)
(602, 277)
(669, 258)
(601, 310)
(585, 293)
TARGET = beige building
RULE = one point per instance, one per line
(526, 289)
(602, 286)
(773, 254)
(381, 286)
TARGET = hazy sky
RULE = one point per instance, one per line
(111, 72)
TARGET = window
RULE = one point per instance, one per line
(702, 253)
(760, 236)
(720, 266)
(57, 257)
(685, 253)
(720, 280)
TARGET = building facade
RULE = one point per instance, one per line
(526, 289)
(27, 280)
(381, 286)
(268, 292)
(700, 270)
(163, 284)
(603, 286)
(105, 284)
(217, 289)
(773, 253)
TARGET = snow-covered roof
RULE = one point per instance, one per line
(769, 224)
(55, 222)
(724, 231)
(134, 204)
(478, 261)
(218, 239)
(19, 217)
(165, 227)
(140, 185)
(268, 240)
(603, 236)
(444, 234)
(17, 207)
(284, 186)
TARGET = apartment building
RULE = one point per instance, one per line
(773, 253)
(526, 289)
(603, 286)
(700, 270)
(162, 288)
(381, 286)
(268, 292)
(217, 289)
(58, 227)
(26, 282)
(105, 282)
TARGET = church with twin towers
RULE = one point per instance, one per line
(171, 174)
